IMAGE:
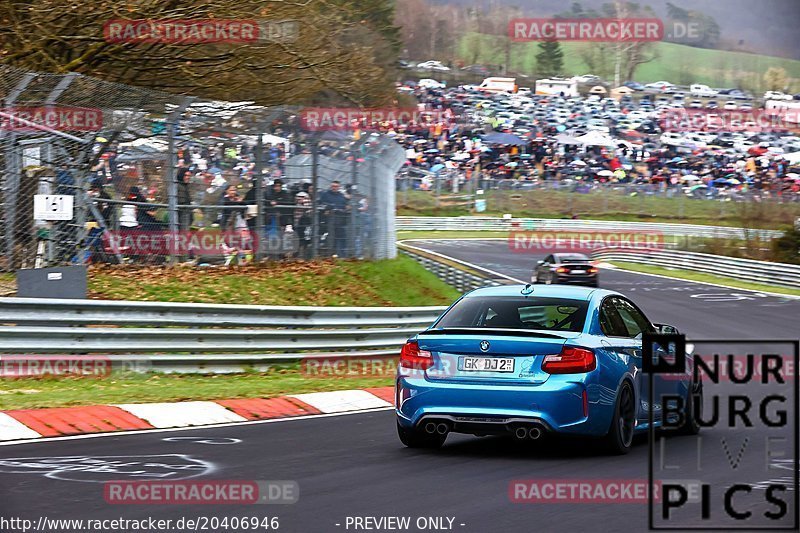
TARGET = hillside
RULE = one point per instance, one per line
(677, 63)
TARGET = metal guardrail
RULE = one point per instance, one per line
(549, 224)
(778, 274)
(223, 338)
(456, 277)
(106, 312)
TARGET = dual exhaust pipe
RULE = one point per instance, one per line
(528, 433)
(432, 428)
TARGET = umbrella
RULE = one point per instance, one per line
(503, 138)
(432, 151)
(695, 187)
(437, 168)
(793, 175)
(606, 173)
(578, 163)
(513, 164)
(677, 160)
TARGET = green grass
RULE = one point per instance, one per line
(677, 63)
(618, 207)
(700, 276)
(396, 282)
(141, 388)
(401, 235)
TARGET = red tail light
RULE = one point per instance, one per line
(412, 357)
(592, 270)
(561, 270)
(571, 360)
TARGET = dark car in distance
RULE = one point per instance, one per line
(565, 268)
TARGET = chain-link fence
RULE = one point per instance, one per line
(418, 190)
(94, 171)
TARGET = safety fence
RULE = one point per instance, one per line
(175, 337)
(778, 274)
(406, 223)
(85, 164)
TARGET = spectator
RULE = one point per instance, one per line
(336, 206)
(231, 201)
(184, 199)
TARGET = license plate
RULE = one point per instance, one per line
(579, 272)
(487, 364)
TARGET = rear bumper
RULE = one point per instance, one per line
(578, 279)
(557, 405)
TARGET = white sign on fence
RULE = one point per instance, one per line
(53, 206)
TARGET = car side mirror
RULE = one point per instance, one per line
(667, 329)
(540, 262)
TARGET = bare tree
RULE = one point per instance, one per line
(331, 51)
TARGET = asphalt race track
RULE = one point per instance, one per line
(354, 466)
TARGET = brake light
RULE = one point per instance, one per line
(561, 270)
(571, 360)
(592, 270)
(412, 357)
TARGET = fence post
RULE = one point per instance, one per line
(258, 239)
(172, 171)
(315, 199)
(353, 206)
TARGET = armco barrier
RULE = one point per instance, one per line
(551, 224)
(455, 276)
(222, 338)
(778, 274)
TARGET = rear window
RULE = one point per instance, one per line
(573, 258)
(549, 314)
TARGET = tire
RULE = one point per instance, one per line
(690, 425)
(417, 439)
(620, 435)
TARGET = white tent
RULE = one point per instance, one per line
(595, 138)
(793, 158)
(567, 139)
(274, 139)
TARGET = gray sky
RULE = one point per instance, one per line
(769, 27)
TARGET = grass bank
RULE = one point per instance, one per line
(618, 207)
(394, 282)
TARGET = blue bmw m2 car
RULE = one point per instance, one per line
(534, 360)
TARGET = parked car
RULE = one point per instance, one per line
(702, 90)
(730, 105)
(660, 86)
(432, 65)
(635, 85)
(427, 83)
(777, 95)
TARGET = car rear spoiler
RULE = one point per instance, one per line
(507, 332)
